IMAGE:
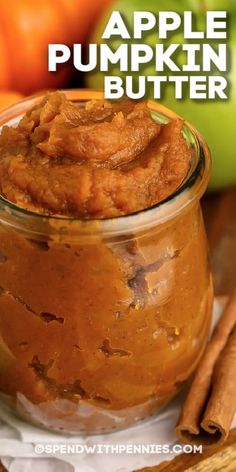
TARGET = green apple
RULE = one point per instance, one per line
(215, 119)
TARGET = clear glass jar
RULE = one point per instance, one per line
(103, 321)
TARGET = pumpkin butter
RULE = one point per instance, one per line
(101, 320)
(98, 161)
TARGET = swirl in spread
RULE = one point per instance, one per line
(100, 160)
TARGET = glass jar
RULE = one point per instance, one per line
(103, 321)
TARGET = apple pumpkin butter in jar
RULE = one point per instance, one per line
(105, 288)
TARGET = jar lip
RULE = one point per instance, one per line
(196, 180)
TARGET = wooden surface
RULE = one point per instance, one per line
(219, 212)
(217, 459)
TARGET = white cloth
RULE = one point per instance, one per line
(18, 440)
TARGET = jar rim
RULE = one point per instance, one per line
(191, 189)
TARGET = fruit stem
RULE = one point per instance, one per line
(203, 5)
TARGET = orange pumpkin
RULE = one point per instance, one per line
(26, 29)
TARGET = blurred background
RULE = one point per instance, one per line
(26, 29)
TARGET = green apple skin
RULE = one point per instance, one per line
(215, 119)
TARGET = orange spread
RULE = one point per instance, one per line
(97, 332)
(99, 161)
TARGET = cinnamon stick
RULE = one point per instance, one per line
(210, 405)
